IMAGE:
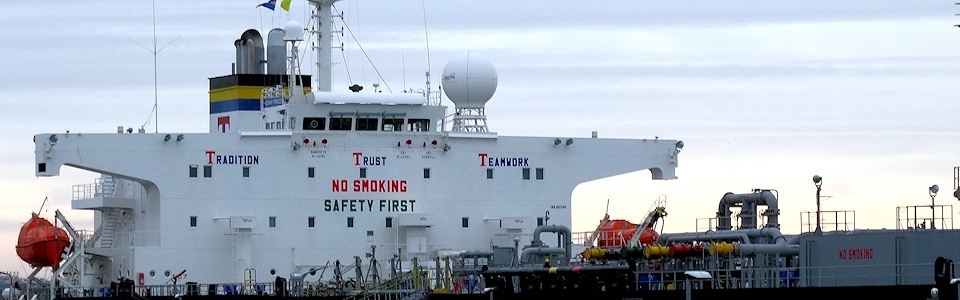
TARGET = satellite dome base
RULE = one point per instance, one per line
(469, 120)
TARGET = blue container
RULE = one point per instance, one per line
(789, 278)
(648, 280)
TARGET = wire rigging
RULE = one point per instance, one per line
(364, 52)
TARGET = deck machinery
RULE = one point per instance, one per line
(746, 252)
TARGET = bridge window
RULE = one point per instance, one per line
(539, 173)
(526, 173)
(193, 171)
(418, 125)
(340, 123)
(392, 124)
(314, 123)
(367, 124)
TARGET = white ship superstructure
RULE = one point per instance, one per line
(294, 177)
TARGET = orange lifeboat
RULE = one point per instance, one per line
(648, 236)
(40, 243)
(616, 233)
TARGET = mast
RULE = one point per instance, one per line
(323, 13)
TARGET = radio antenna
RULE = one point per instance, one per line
(426, 36)
(42, 204)
(154, 51)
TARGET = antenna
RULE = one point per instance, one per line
(607, 213)
(426, 37)
(154, 51)
(42, 204)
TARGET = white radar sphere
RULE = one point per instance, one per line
(469, 80)
(293, 31)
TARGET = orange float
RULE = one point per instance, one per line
(40, 243)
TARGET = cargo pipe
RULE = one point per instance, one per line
(558, 229)
(780, 245)
(748, 208)
(704, 237)
(746, 236)
(475, 254)
(529, 253)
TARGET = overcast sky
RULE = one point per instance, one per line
(765, 94)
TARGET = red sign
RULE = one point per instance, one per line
(223, 123)
(369, 186)
(856, 253)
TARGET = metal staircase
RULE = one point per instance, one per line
(106, 186)
(108, 228)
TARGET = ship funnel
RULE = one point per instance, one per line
(276, 52)
(249, 52)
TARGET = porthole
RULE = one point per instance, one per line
(273, 271)
(153, 274)
(167, 274)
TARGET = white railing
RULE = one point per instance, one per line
(138, 238)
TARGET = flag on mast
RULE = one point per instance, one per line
(271, 4)
(285, 4)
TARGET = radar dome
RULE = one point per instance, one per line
(469, 80)
(293, 31)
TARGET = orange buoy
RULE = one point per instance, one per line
(40, 243)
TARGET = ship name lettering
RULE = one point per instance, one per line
(367, 205)
(491, 161)
(360, 160)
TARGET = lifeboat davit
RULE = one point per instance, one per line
(40, 243)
